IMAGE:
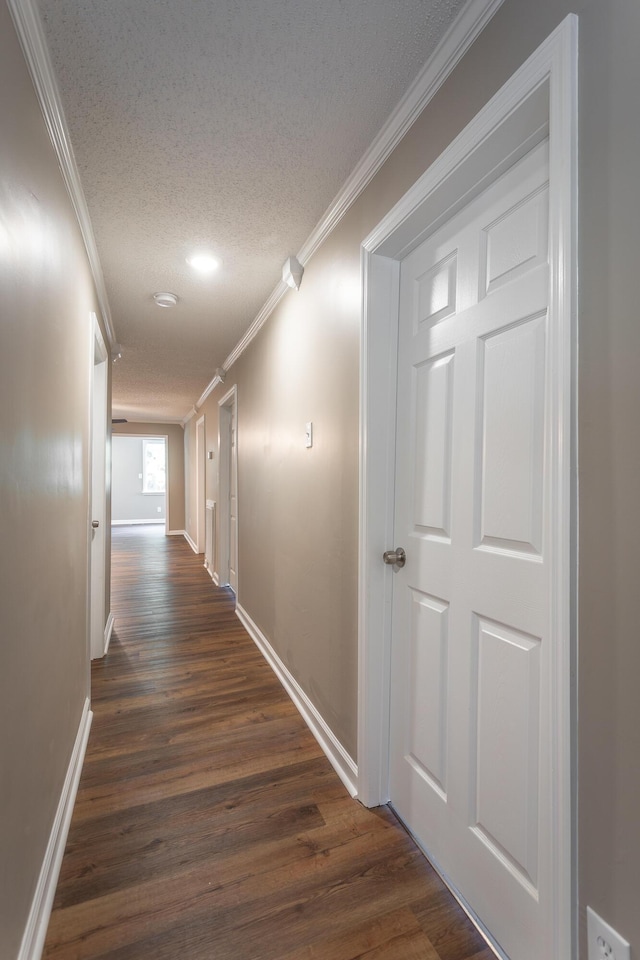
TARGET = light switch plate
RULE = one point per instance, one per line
(308, 434)
(603, 942)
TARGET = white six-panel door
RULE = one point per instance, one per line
(470, 700)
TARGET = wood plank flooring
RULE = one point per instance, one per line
(208, 824)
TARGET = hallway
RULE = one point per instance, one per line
(208, 822)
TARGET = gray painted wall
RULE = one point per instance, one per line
(128, 502)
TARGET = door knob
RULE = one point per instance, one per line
(95, 524)
(395, 557)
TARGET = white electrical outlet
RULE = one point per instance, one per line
(308, 434)
(604, 943)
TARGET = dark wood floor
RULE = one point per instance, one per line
(208, 824)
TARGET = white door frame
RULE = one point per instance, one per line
(200, 484)
(539, 100)
(226, 406)
(99, 629)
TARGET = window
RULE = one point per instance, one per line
(153, 466)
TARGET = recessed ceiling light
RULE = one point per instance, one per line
(203, 262)
(165, 299)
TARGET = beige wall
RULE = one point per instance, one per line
(298, 508)
(298, 519)
(46, 295)
(175, 464)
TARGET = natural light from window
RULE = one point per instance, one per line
(153, 466)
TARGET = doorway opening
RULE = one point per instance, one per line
(139, 483)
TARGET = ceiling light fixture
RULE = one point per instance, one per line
(165, 299)
(292, 273)
(203, 262)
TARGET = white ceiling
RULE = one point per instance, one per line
(225, 125)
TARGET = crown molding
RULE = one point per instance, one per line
(30, 32)
(266, 310)
(208, 389)
(470, 22)
(192, 413)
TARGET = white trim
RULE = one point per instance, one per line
(98, 464)
(31, 35)
(472, 19)
(227, 469)
(38, 920)
(263, 315)
(513, 111)
(201, 482)
(137, 523)
(176, 533)
(212, 573)
(210, 535)
(191, 543)
(563, 258)
(185, 420)
(209, 389)
(108, 630)
(231, 394)
(338, 757)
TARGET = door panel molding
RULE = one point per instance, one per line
(539, 101)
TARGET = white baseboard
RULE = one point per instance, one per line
(192, 543)
(108, 630)
(175, 533)
(134, 523)
(338, 757)
(36, 928)
(212, 573)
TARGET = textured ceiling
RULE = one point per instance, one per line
(224, 125)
